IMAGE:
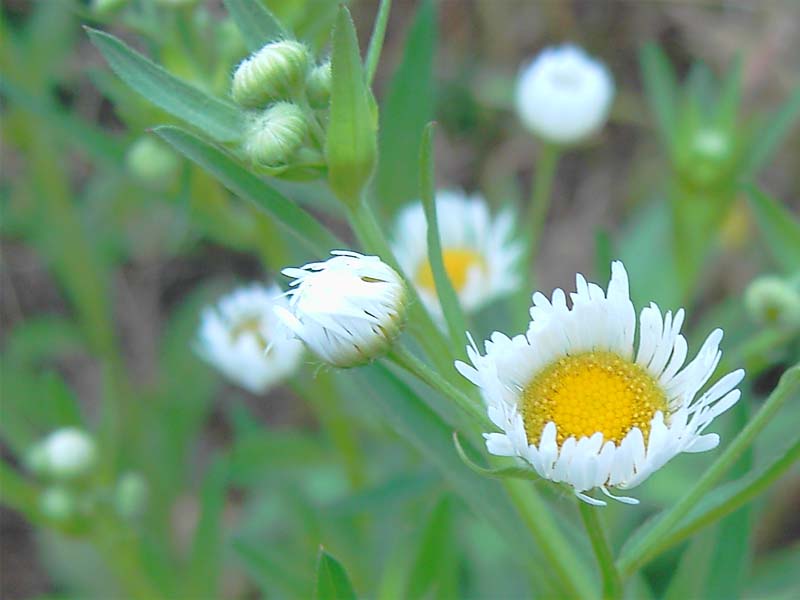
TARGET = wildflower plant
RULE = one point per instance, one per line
(400, 455)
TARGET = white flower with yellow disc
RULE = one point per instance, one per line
(582, 404)
(480, 253)
(244, 339)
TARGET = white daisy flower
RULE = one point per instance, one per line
(564, 95)
(348, 310)
(242, 337)
(582, 404)
(480, 254)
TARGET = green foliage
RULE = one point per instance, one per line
(256, 22)
(332, 580)
(780, 229)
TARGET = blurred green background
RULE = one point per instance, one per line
(112, 243)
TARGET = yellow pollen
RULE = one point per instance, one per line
(457, 262)
(249, 326)
(591, 392)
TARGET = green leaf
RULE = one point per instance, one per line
(220, 119)
(769, 135)
(730, 95)
(376, 40)
(444, 287)
(661, 87)
(351, 145)
(249, 187)
(332, 580)
(257, 24)
(780, 229)
(510, 472)
(434, 571)
(269, 571)
(406, 109)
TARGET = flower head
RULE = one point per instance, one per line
(564, 95)
(276, 134)
(348, 310)
(66, 453)
(771, 301)
(480, 253)
(577, 401)
(243, 338)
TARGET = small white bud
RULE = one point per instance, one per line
(773, 301)
(276, 134)
(318, 85)
(68, 453)
(276, 72)
(564, 95)
(348, 310)
(58, 504)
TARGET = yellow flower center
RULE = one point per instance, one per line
(457, 263)
(591, 392)
(249, 326)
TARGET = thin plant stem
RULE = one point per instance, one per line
(376, 41)
(541, 191)
(612, 584)
(643, 551)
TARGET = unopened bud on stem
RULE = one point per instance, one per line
(276, 134)
(276, 72)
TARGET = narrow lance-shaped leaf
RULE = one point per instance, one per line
(219, 118)
(249, 187)
(376, 41)
(332, 580)
(444, 288)
(405, 110)
(780, 229)
(661, 89)
(769, 136)
(351, 146)
(257, 24)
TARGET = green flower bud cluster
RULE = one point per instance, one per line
(285, 94)
(705, 157)
(773, 301)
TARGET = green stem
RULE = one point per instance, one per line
(376, 41)
(541, 188)
(644, 550)
(717, 511)
(612, 585)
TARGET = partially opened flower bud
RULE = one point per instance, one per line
(773, 301)
(348, 310)
(67, 453)
(276, 72)
(276, 134)
(564, 95)
(318, 85)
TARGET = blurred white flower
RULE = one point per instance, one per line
(242, 337)
(576, 401)
(64, 454)
(348, 310)
(564, 95)
(480, 254)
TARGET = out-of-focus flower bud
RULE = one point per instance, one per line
(348, 310)
(106, 7)
(706, 156)
(773, 301)
(130, 495)
(564, 95)
(318, 85)
(151, 162)
(274, 135)
(67, 453)
(276, 72)
(58, 504)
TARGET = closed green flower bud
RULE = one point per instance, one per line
(276, 134)
(276, 72)
(151, 162)
(774, 302)
(707, 156)
(318, 85)
(130, 495)
(58, 504)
